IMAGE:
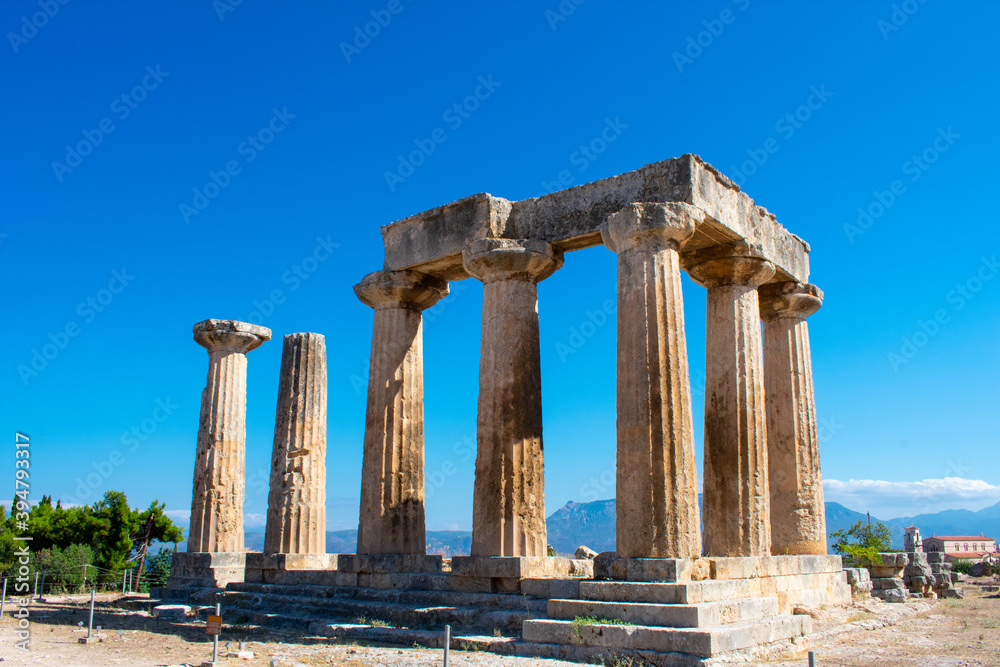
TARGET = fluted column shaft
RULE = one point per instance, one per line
(798, 515)
(220, 462)
(392, 483)
(736, 496)
(508, 516)
(296, 504)
(657, 481)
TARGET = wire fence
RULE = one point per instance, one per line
(52, 580)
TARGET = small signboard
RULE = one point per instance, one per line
(214, 626)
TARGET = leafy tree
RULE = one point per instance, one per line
(115, 522)
(158, 569)
(155, 526)
(65, 569)
(108, 535)
(862, 542)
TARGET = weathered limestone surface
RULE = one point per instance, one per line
(432, 241)
(296, 505)
(392, 484)
(657, 480)
(508, 511)
(736, 496)
(798, 516)
(204, 570)
(220, 463)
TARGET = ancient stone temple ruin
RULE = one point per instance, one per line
(681, 594)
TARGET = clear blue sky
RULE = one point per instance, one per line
(308, 129)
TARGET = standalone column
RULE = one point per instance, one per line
(798, 517)
(392, 482)
(296, 505)
(735, 501)
(657, 483)
(508, 511)
(220, 466)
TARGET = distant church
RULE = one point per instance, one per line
(953, 546)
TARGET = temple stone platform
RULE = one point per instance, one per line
(674, 611)
(193, 570)
(662, 611)
(473, 574)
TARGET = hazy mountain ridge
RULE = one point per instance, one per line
(593, 524)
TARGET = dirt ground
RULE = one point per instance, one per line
(946, 633)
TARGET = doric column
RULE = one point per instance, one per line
(296, 505)
(392, 482)
(735, 500)
(220, 464)
(508, 511)
(798, 516)
(657, 482)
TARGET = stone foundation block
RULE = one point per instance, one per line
(390, 563)
(520, 568)
(206, 570)
(551, 588)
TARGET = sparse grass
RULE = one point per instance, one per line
(374, 622)
(620, 661)
(592, 620)
(860, 616)
(469, 647)
(991, 623)
(497, 633)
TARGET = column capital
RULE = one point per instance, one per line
(531, 260)
(789, 299)
(216, 335)
(651, 225)
(738, 263)
(401, 289)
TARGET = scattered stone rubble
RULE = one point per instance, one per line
(914, 574)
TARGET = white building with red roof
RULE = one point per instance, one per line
(961, 546)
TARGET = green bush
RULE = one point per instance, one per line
(65, 569)
(861, 543)
(961, 565)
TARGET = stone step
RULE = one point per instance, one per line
(704, 614)
(395, 614)
(498, 645)
(416, 597)
(701, 642)
(666, 593)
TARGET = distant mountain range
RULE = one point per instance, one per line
(593, 524)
